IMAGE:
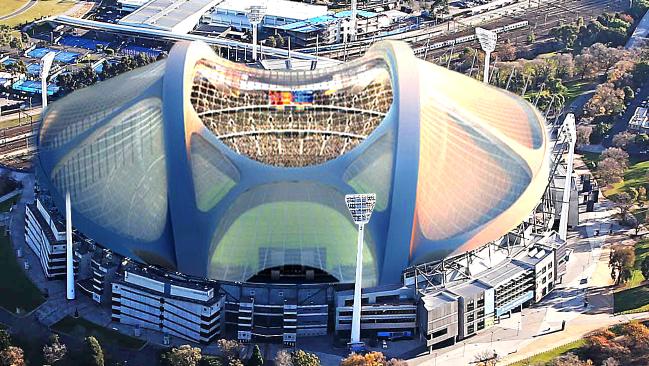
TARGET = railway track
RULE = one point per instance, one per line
(541, 18)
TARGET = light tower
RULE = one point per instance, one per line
(568, 128)
(352, 22)
(487, 41)
(360, 207)
(69, 263)
(255, 16)
(46, 64)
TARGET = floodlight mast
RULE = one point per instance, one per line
(487, 41)
(570, 131)
(360, 207)
(69, 261)
(46, 65)
(255, 16)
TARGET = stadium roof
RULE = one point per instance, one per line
(218, 170)
(279, 8)
(178, 16)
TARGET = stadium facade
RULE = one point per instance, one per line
(216, 173)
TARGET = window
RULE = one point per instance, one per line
(470, 329)
(440, 333)
(470, 318)
(550, 265)
(470, 305)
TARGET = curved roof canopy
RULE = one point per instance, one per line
(218, 170)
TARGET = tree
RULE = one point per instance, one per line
(617, 154)
(184, 355)
(271, 41)
(486, 358)
(569, 359)
(610, 170)
(396, 362)
(94, 355)
(621, 261)
(583, 134)
(283, 358)
(256, 359)
(210, 361)
(230, 349)
(623, 139)
(611, 362)
(507, 52)
(5, 339)
(12, 356)
(624, 202)
(607, 100)
(301, 358)
(644, 266)
(55, 351)
(566, 34)
(368, 359)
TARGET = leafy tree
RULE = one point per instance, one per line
(256, 358)
(301, 358)
(230, 349)
(5, 339)
(94, 355)
(210, 361)
(629, 95)
(610, 170)
(271, 41)
(283, 358)
(184, 355)
(623, 139)
(583, 134)
(617, 154)
(566, 34)
(570, 359)
(621, 261)
(55, 351)
(531, 37)
(235, 362)
(12, 356)
(607, 100)
(641, 72)
(396, 362)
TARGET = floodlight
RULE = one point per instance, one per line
(360, 207)
(255, 14)
(46, 65)
(487, 41)
(69, 261)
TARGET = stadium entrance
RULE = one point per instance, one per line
(292, 274)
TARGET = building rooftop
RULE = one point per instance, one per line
(44, 223)
(469, 289)
(504, 272)
(178, 16)
(640, 118)
(434, 300)
(280, 8)
(318, 22)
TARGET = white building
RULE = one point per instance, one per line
(172, 305)
(46, 238)
(640, 120)
(232, 13)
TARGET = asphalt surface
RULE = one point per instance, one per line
(621, 123)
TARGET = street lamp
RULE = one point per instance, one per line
(487, 41)
(360, 207)
(255, 16)
(46, 64)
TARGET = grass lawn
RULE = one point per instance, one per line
(6, 205)
(81, 328)
(575, 88)
(631, 300)
(9, 6)
(634, 177)
(43, 8)
(546, 357)
(17, 290)
(641, 251)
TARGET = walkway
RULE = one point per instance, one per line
(20, 10)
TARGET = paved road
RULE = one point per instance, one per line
(621, 123)
(19, 11)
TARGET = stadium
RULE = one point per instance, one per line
(201, 170)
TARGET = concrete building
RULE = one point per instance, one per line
(177, 16)
(172, 304)
(102, 272)
(389, 309)
(233, 13)
(46, 238)
(639, 122)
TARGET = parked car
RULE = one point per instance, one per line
(385, 344)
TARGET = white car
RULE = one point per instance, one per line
(384, 344)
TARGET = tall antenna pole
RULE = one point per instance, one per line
(68, 248)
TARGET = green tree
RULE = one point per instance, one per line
(628, 94)
(256, 359)
(271, 41)
(644, 266)
(94, 355)
(566, 34)
(12, 356)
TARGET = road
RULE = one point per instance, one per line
(621, 123)
(20, 10)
